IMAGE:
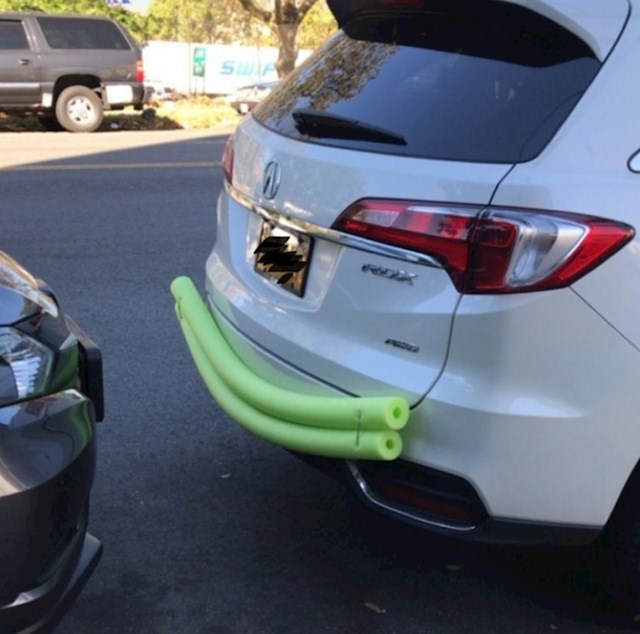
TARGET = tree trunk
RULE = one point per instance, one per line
(288, 49)
(284, 20)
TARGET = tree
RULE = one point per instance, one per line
(317, 26)
(223, 22)
(205, 21)
(134, 22)
(284, 21)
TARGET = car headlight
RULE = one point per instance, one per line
(15, 277)
(25, 366)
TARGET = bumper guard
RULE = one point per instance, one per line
(332, 426)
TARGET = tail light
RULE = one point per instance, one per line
(227, 160)
(139, 71)
(492, 249)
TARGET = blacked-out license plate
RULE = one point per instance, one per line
(283, 256)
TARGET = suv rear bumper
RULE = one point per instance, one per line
(539, 449)
(332, 426)
(443, 502)
(139, 96)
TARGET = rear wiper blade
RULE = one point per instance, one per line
(333, 126)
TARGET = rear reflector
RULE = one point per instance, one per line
(491, 249)
(427, 493)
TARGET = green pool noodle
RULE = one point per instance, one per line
(341, 412)
(332, 443)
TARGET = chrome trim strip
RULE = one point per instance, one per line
(331, 235)
(366, 491)
(18, 85)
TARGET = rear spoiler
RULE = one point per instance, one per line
(346, 12)
(597, 23)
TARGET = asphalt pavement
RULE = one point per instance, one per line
(206, 529)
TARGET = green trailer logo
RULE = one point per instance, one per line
(199, 61)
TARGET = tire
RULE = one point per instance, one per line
(79, 109)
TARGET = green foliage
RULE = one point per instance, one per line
(317, 26)
(283, 17)
(93, 7)
(135, 23)
(201, 21)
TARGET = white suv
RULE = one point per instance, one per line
(426, 268)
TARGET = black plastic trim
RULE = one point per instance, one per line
(490, 530)
(90, 370)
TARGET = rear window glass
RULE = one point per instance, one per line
(12, 36)
(491, 85)
(79, 33)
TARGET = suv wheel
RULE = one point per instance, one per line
(79, 109)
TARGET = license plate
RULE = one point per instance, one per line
(283, 257)
(119, 94)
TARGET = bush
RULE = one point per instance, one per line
(197, 113)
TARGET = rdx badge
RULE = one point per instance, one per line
(390, 274)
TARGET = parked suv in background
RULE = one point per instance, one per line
(426, 269)
(68, 69)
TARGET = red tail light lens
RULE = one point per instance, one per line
(442, 232)
(491, 249)
(227, 160)
(139, 71)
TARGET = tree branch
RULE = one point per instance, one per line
(303, 9)
(257, 12)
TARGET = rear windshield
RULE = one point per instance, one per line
(489, 86)
(80, 33)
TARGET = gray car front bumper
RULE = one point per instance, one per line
(47, 464)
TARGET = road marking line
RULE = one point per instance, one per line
(106, 166)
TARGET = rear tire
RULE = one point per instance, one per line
(79, 109)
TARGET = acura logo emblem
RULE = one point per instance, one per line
(271, 180)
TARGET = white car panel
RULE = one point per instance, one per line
(319, 182)
(353, 329)
(600, 184)
(338, 330)
(613, 290)
(516, 411)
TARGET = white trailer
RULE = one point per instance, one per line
(212, 69)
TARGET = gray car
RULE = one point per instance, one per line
(247, 97)
(50, 398)
(68, 69)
